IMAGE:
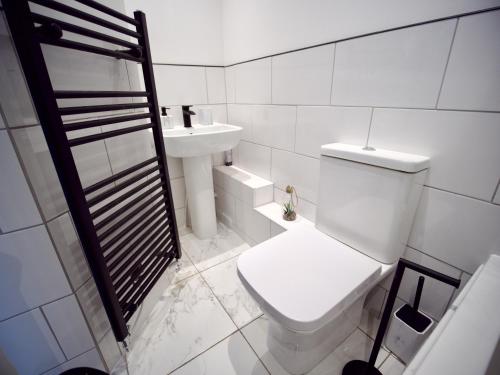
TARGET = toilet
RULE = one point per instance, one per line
(311, 282)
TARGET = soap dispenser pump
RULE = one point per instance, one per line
(166, 119)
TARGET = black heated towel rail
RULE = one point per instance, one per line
(126, 222)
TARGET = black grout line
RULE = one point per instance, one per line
(495, 192)
(333, 73)
(53, 333)
(190, 65)
(447, 62)
(459, 194)
(463, 14)
(369, 128)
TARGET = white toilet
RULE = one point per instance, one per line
(311, 282)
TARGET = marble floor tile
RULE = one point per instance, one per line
(226, 285)
(232, 356)
(392, 366)
(177, 328)
(207, 253)
(181, 269)
(356, 346)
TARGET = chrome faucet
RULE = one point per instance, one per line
(186, 115)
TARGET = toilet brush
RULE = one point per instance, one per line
(359, 367)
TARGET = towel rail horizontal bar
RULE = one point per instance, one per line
(161, 238)
(122, 185)
(72, 126)
(68, 94)
(72, 28)
(108, 11)
(105, 135)
(107, 220)
(54, 5)
(119, 175)
(101, 108)
(127, 195)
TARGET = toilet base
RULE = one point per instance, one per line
(299, 352)
(358, 367)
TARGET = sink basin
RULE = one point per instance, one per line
(195, 146)
(200, 140)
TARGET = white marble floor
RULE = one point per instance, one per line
(206, 323)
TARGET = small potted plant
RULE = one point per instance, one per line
(289, 206)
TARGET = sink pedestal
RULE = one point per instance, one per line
(200, 195)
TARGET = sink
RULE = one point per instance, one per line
(201, 140)
(195, 146)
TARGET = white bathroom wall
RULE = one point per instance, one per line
(432, 89)
(258, 28)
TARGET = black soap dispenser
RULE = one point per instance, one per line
(166, 119)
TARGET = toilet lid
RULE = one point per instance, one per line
(304, 278)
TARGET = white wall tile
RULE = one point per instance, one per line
(274, 126)
(317, 126)
(435, 295)
(496, 198)
(181, 219)
(90, 359)
(17, 206)
(254, 158)
(230, 74)
(253, 82)
(68, 246)
(225, 206)
(39, 167)
(304, 208)
(216, 85)
(180, 85)
(2, 122)
(28, 344)
(460, 231)
(93, 309)
(401, 68)
(68, 324)
(303, 77)
(14, 96)
(178, 192)
(30, 267)
(300, 171)
(241, 115)
(472, 78)
(254, 225)
(463, 146)
(175, 167)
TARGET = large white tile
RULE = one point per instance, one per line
(254, 158)
(458, 230)
(472, 78)
(28, 345)
(14, 96)
(17, 206)
(241, 115)
(216, 85)
(274, 126)
(300, 171)
(462, 146)
(175, 168)
(372, 311)
(2, 122)
(187, 321)
(206, 253)
(68, 324)
(392, 366)
(402, 68)
(496, 198)
(253, 82)
(227, 287)
(233, 356)
(356, 346)
(109, 349)
(303, 77)
(230, 74)
(40, 169)
(68, 246)
(180, 85)
(435, 295)
(178, 192)
(93, 309)
(90, 359)
(30, 268)
(317, 126)
(225, 206)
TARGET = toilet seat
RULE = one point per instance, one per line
(303, 278)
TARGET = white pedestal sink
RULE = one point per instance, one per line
(195, 146)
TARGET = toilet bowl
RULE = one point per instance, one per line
(311, 282)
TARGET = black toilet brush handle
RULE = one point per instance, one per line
(418, 294)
